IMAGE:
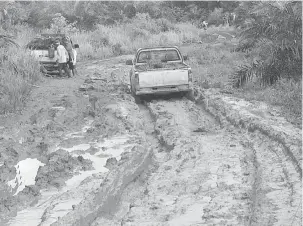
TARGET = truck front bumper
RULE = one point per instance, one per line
(163, 89)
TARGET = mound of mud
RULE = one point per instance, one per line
(29, 194)
(111, 163)
(59, 167)
(7, 202)
(7, 173)
(9, 205)
(9, 155)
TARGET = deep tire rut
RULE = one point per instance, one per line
(262, 208)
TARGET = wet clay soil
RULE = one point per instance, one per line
(82, 152)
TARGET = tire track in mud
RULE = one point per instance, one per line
(276, 189)
(257, 171)
(143, 200)
(246, 205)
(185, 121)
(137, 185)
(136, 163)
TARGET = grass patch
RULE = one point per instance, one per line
(285, 94)
(17, 74)
(213, 63)
(108, 41)
(214, 60)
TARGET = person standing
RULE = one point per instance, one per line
(62, 57)
(68, 44)
(204, 25)
(72, 62)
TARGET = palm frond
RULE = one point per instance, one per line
(275, 35)
(7, 40)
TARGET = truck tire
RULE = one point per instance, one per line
(133, 92)
(190, 94)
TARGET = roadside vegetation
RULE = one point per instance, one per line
(257, 54)
(19, 71)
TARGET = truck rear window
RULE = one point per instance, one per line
(158, 55)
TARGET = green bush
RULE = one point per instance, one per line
(99, 38)
(164, 24)
(285, 94)
(19, 72)
(136, 32)
(61, 25)
(273, 39)
(145, 22)
(216, 17)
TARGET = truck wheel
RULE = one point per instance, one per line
(190, 95)
(137, 99)
(133, 92)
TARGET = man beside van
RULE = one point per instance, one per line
(62, 58)
(72, 61)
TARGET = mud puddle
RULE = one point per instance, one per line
(54, 203)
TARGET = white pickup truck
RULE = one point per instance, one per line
(159, 71)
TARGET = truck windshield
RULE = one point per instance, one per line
(158, 55)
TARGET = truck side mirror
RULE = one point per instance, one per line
(129, 62)
(185, 57)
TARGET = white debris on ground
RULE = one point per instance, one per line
(26, 171)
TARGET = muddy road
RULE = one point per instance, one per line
(83, 152)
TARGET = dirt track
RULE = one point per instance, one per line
(105, 160)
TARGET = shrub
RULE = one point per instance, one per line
(216, 17)
(98, 38)
(24, 34)
(164, 24)
(61, 25)
(273, 39)
(19, 72)
(145, 22)
(285, 93)
(136, 32)
(188, 32)
(117, 49)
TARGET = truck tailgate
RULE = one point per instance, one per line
(163, 78)
(42, 56)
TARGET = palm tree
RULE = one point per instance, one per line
(273, 39)
(6, 40)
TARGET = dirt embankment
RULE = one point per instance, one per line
(105, 160)
(256, 117)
